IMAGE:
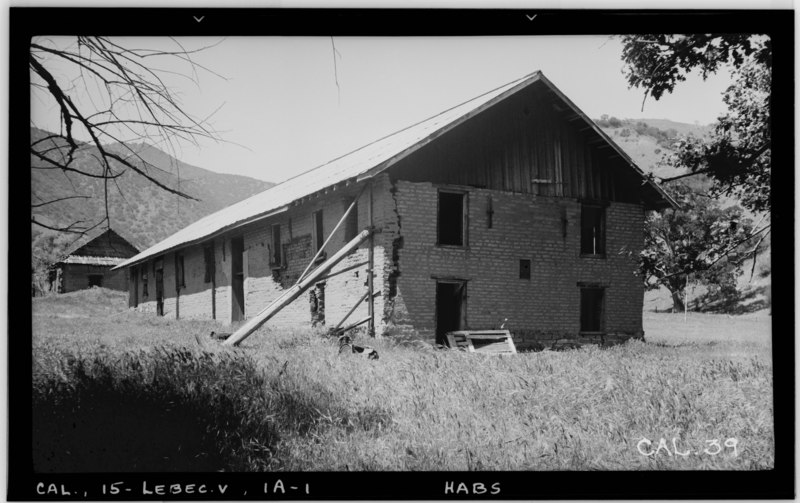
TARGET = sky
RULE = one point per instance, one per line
(285, 105)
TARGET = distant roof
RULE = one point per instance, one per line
(101, 242)
(361, 164)
(103, 261)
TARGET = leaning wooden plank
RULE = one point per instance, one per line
(492, 341)
(284, 300)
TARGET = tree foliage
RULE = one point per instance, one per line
(737, 156)
(702, 240)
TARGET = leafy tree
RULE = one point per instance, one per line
(737, 156)
(702, 239)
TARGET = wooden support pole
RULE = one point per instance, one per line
(330, 236)
(355, 306)
(370, 268)
(342, 271)
(354, 325)
(292, 293)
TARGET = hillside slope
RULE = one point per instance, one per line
(139, 210)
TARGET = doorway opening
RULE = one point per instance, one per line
(451, 307)
(95, 280)
(158, 265)
(237, 279)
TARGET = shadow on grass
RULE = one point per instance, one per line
(174, 409)
(171, 409)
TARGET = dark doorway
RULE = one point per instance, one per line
(159, 273)
(451, 308)
(592, 310)
(134, 288)
(237, 279)
(95, 280)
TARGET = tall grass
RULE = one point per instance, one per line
(288, 401)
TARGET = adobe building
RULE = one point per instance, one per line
(89, 262)
(511, 206)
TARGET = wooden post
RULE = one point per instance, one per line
(370, 267)
(292, 293)
(330, 236)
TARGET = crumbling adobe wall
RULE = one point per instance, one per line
(544, 230)
(264, 283)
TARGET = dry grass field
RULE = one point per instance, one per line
(109, 384)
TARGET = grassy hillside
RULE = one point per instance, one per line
(649, 142)
(124, 391)
(139, 210)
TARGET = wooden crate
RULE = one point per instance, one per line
(482, 341)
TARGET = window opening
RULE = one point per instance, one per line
(593, 234)
(451, 219)
(524, 269)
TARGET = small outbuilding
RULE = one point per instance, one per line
(90, 261)
(511, 210)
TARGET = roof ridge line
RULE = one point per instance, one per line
(405, 128)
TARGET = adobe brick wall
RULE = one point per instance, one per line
(76, 277)
(341, 292)
(544, 308)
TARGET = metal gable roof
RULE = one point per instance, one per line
(359, 164)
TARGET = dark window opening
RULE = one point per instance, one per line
(210, 267)
(351, 224)
(275, 259)
(451, 219)
(95, 280)
(180, 280)
(144, 281)
(592, 309)
(319, 237)
(593, 230)
(524, 269)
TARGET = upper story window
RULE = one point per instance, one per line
(593, 229)
(451, 219)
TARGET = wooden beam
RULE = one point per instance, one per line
(342, 271)
(292, 293)
(330, 236)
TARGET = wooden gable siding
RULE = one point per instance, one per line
(518, 142)
(108, 244)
